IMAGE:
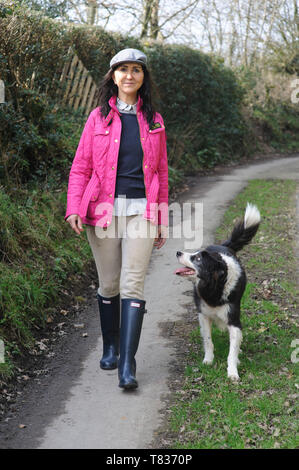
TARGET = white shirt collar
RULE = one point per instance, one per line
(126, 108)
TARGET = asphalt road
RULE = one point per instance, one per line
(79, 406)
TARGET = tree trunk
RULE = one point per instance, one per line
(91, 7)
(296, 15)
(147, 10)
(246, 39)
(154, 19)
(150, 21)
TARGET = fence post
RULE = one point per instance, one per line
(70, 78)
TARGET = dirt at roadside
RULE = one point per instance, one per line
(68, 327)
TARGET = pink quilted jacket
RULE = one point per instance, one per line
(93, 173)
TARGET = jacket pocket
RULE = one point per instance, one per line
(156, 131)
(100, 140)
(100, 130)
(91, 194)
(155, 138)
(96, 192)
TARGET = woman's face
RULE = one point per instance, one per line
(129, 78)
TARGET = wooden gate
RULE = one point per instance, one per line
(80, 88)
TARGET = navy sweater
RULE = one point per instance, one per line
(130, 181)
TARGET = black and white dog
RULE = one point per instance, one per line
(220, 281)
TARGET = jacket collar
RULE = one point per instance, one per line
(126, 108)
(112, 104)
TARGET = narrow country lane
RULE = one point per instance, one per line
(80, 406)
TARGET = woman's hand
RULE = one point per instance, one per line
(76, 223)
(162, 236)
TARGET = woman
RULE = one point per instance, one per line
(118, 187)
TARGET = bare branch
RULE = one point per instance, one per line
(181, 21)
(77, 10)
(170, 18)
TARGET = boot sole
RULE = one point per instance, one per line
(129, 386)
(108, 368)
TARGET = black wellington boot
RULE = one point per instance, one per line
(109, 316)
(131, 323)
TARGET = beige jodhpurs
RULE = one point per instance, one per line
(122, 254)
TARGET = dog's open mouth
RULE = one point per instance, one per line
(184, 271)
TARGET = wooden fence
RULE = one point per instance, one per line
(79, 88)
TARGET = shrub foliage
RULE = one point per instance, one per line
(198, 96)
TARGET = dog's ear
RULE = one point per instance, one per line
(205, 254)
(209, 255)
(215, 262)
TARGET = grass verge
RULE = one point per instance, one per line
(261, 411)
(39, 260)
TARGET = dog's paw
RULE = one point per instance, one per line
(234, 376)
(208, 360)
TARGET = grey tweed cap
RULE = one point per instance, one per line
(128, 55)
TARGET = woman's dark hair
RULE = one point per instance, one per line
(108, 88)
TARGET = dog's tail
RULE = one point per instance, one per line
(244, 231)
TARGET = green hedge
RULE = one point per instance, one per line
(198, 96)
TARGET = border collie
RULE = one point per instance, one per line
(220, 281)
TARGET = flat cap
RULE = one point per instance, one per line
(128, 55)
